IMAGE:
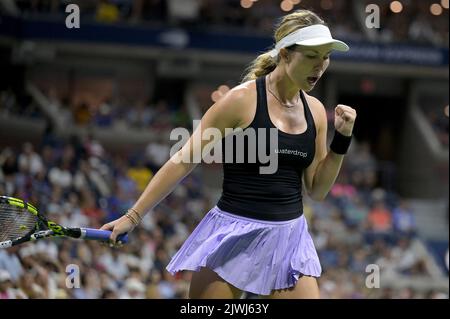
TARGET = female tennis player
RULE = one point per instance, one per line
(256, 238)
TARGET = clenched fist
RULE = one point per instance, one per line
(344, 119)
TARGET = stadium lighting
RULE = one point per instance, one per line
(396, 6)
(286, 5)
(446, 110)
(436, 9)
(444, 4)
(294, 2)
(246, 3)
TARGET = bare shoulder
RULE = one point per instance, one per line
(314, 103)
(241, 94)
(317, 109)
(240, 102)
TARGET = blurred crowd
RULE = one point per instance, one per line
(414, 24)
(138, 114)
(18, 103)
(79, 183)
(158, 115)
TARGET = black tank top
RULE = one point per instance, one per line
(278, 196)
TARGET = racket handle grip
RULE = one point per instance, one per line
(102, 235)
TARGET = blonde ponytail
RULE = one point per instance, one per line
(262, 65)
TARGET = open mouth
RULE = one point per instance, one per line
(312, 79)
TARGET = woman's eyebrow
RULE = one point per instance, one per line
(315, 51)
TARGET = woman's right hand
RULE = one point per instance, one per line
(119, 226)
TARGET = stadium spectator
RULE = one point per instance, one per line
(403, 219)
(29, 161)
(338, 241)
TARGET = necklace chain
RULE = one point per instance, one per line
(278, 99)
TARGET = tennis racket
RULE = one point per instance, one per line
(21, 222)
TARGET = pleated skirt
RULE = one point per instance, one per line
(256, 256)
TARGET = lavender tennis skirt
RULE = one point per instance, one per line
(253, 255)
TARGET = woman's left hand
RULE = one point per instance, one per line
(344, 119)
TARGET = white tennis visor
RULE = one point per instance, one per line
(313, 35)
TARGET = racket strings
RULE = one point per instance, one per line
(15, 222)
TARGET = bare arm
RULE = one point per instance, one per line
(320, 176)
(226, 113)
(162, 184)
